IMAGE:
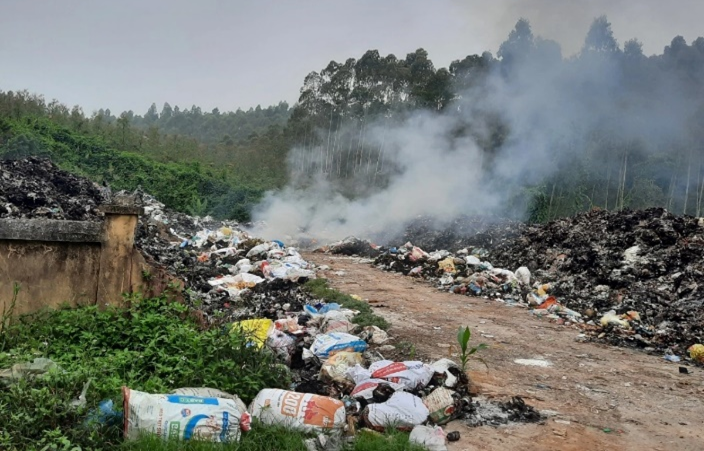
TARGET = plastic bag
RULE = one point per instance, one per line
(326, 345)
(341, 325)
(282, 344)
(374, 335)
(403, 411)
(448, 265)
(182, 417)
(523, 275)
(417, 254)
(298, 411)
(335, 368)
(431, 438)
(258, 250)
(257, 330)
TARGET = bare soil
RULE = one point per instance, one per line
(602, 397)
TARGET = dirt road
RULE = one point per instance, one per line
(642, 400)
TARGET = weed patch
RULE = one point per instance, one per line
(153, 346)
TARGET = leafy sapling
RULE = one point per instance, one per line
(464, 335)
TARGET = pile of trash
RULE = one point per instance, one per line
(459, 233)
(352, 246)
(341, 386)
(632, 278)
(225, 269)
(36, 188)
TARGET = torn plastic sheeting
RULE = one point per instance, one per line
(402, 411)
(298, 411)
(38, 366)
(326, 345)
(182, 417)
(239, 281)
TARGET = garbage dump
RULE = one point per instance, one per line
(339, 379)
(35, 188)
(226, 270)
(632, 278)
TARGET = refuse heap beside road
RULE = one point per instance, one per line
(631, 278)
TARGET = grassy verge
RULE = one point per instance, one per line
(321, 290)
(153, 346)
(278, 439)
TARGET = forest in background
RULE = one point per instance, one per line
(642, 143)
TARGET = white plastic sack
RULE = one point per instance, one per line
(403, 411)
(259, 250)
(326, 345)
(523, 275)
(182, 417)
(431, 438)
(298, 411)
(472, 260)
(410, 375)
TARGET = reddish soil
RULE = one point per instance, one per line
(605, 398)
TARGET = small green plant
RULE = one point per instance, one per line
(464, 335)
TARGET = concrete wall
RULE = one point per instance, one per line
(74, 262)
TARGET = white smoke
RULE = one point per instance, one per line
(550, 106)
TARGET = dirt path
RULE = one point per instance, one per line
(641, 399)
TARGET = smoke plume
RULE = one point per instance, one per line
(611, 126)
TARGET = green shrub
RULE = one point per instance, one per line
(153, 346)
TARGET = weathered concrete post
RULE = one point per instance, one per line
(114, 277)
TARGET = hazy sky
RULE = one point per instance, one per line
(127, 54)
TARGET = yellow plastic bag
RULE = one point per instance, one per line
(256, 329)
(447, 265)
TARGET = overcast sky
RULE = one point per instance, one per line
(127, 54)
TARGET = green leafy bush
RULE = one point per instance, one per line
(153, 346)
